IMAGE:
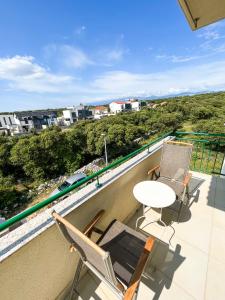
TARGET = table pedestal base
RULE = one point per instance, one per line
(159, 221)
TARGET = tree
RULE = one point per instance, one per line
(200, 113)
(6, 167)
(41, 156)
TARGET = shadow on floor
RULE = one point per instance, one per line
(161, 268)
(159, 272)
(170, 214)
(216, 193)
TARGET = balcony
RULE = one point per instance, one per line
(193, 266)
(36, 262)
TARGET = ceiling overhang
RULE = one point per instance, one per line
(200, 13)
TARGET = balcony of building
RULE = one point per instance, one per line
(190, 264)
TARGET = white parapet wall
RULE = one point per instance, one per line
(35, 261)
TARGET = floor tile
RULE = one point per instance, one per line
(215, 287)
(217, 249)
(185, 265)
(158, 286)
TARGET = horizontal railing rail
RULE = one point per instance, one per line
(96, 175)
(208, 154)
(200, 133)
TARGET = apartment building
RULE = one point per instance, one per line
(74, 113)
(8, 124)
(38, 120)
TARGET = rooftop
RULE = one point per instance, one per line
(37, 113)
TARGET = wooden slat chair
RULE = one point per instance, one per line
(173, 169)
(118, 258)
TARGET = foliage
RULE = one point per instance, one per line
(53, 152)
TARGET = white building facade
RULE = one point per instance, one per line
(74, 113)
(8, 124)
(117, 106)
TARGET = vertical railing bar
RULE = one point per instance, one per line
(203, 151)
(196, 154)
(214, 164)
(209, 155)
(98, 184)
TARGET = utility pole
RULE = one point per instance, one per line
(106, 155)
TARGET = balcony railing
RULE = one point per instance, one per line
(208, 157)
(95, 176)
(208, 152)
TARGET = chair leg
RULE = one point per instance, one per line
(187, 193)
(179, 211)
(75, 280)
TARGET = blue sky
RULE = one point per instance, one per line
(64, 52)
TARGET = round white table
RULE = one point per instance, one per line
(154, 194)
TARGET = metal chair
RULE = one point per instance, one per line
(173, 169)
(118, 258)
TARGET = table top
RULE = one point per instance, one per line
(154, 194)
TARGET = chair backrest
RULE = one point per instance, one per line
(175, 160)
(91, 254)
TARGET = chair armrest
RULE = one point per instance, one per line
(153, 169)
(91, 226)
(139, 269)
(187, 179)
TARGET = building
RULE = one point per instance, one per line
(131, 104)
(37, 120)
(8, 124)
(136, 105)
(74, 113)
(119, 106)
(100, 112)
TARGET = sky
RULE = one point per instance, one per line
(66, 52)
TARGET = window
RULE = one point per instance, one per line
(5, 120)
(10, 121)
(0, 124)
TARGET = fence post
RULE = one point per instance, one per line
(98, 184)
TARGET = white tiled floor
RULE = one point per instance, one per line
(193, 265)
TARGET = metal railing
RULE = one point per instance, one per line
(208, 157)
(96, 176)
(208, 151)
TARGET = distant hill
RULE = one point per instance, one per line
(153, 97)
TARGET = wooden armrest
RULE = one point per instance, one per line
(153, 169)
(90, 227)
(139, 269)
(187, 179)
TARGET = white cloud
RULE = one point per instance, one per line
(67, 56)
(109, 56)
(177, 58)
(22, 73)
(114, 54)
(213, 38)
(74, 57)
(209, 34)
(186, 79)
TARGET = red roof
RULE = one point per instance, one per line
(119, 102)
(100, 107)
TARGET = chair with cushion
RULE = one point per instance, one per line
(173, 169)
(118, 258)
